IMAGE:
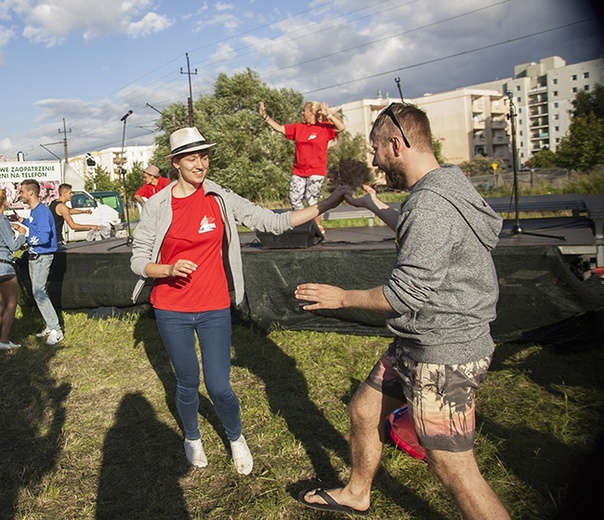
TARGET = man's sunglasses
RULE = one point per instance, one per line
(395, 120)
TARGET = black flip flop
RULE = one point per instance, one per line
(330, 505)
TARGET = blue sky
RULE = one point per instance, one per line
(90, 62)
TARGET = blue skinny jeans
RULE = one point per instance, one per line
(39, 269)
(213, 329)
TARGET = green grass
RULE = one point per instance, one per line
(89, 427)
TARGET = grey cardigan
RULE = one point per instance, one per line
(156, 219)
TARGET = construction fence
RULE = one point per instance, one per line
(557, 177)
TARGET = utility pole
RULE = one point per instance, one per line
(65, 131)
(190, 100)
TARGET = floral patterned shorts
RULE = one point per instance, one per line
(308, 188)
(441, 398)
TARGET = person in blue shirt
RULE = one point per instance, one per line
(42, 242)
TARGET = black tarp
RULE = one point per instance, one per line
(541, 300)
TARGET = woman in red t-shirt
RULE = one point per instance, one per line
(311, 138)
(186, 234)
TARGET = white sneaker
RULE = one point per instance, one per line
(9, 345)
(241, 456)
(195, 454)
(54, 337)
(44, 333)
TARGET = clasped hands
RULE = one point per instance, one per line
(345, 193)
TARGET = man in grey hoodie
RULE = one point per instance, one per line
(440, 298)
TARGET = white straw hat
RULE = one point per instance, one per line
(187, 140)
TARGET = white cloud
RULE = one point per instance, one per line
(51, 22)
(223, 53)
(228, 21)
(5, 144)
(96, 126)
(151, 23)
(223, 6)
(6, 35)
(341, 51)
(348, 49)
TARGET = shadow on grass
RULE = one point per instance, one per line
(32, 414)
(288, 397)
(147, 335)
(540, 459)
(142, 464)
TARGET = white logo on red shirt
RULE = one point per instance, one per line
(312, 136)
(207, 224)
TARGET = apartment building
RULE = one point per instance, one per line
(543, 94)
(473, 120)
(467, 121)
(110, 160)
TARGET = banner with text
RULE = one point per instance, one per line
(48, 174)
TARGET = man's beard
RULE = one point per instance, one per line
(395, 178)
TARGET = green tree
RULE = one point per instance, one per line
(544, 158)
(347, 160)
(347, 146)
(480, 166)
(582, 148)
(249, 157)
(589, 102)
(591, 183)
(351, 172)
(437, 145)
(134, 179)
(101, 181)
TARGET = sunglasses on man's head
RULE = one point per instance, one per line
(395, 120)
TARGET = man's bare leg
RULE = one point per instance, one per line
(368, 410)
(459, 473)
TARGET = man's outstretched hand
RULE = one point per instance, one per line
(324, 296)
(365, 201)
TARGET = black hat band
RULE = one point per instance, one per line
(185, 147)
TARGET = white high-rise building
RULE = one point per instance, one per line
(467, 122)
(543, 94)
(474, 120)
(110, 159)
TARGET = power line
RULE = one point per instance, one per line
(249, 49)
(73, 116)
(379, 40)
(455, 55)
(104, 104)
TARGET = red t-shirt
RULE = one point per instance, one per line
(195, 234)
(311, 147)
(148, 190)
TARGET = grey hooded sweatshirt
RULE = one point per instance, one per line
(443, 287)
